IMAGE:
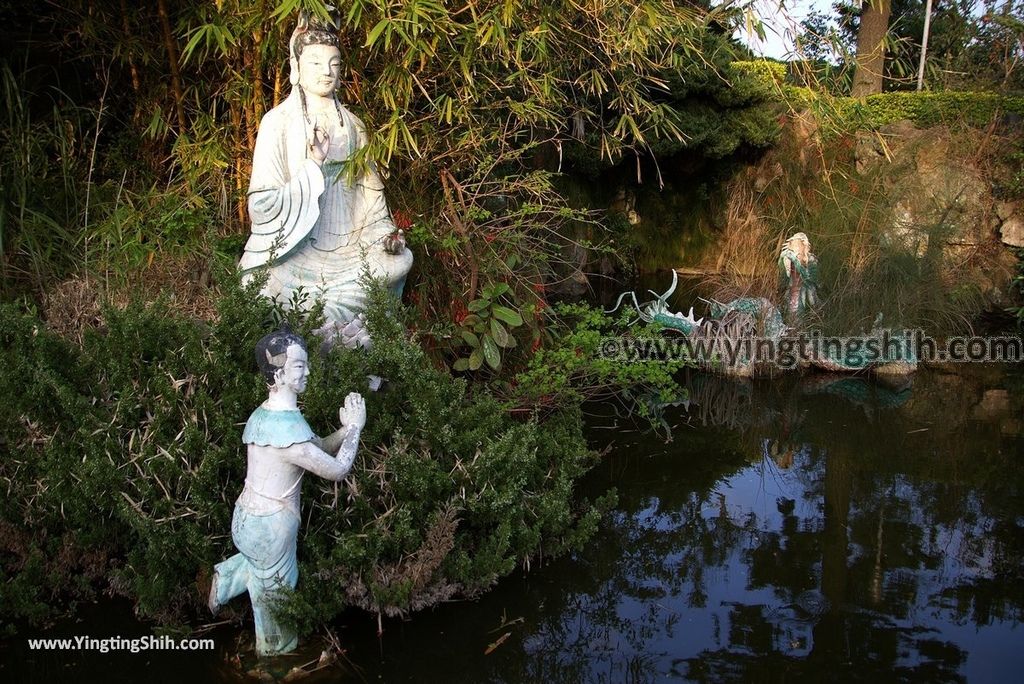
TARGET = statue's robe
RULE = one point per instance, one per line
(310, 229)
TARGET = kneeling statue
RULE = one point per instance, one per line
(281, 448)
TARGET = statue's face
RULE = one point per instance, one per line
(295, 371)
(320, 69)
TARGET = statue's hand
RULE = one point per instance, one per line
(395, 242)
(353, 413)
(320, 144)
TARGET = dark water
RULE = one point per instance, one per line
(794, 530)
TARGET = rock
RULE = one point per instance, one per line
(804, 126)
(902, 130)
(941, 192)
(625, 204)
(1004, 210)
(1012, 232)
(933, 157)
(804, 131)
(867, 150)
(896, 368)
(905, 232)
(295, 674)
(994, 404)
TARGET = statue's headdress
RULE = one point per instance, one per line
(272, 351)
(799, 246)
(311, 30)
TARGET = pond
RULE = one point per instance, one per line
(781, 530)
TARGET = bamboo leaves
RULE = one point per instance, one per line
(543, 63)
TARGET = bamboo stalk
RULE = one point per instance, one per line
(249, 103)
(257, 70)
(172, 60)
(278, 72)
(132, 68)
(236, 123)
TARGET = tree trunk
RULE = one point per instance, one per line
(172, 59)
(874, 23)
(831, 642)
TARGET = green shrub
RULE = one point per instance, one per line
(122, 459)
(767, 72)
(925, 109)
(767, 80)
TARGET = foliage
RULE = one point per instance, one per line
(576, 364)
(772, 79)
(129, 444)
(972, 44)
(839, 116)
(883, 245)
(471, 112)
(485, 329)
(764, 74)
(729, 106)
(40, 200)
(927, 109)
(121, 460)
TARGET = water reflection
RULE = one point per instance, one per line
(834, 528)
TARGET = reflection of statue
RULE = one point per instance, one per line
(314, 226)
(281, 447)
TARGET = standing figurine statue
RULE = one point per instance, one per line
(281, 448)
(314, 226)
(798, 268)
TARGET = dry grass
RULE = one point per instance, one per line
(415, 573)
(72, 307)
(744, 265)
(77, 304)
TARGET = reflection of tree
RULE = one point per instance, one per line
(882, 513)
(721, 401)
(830, 647)
(656, 558)
(650, 559)
(899, 535)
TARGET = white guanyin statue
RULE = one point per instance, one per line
(314, 228)
(281, 447)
